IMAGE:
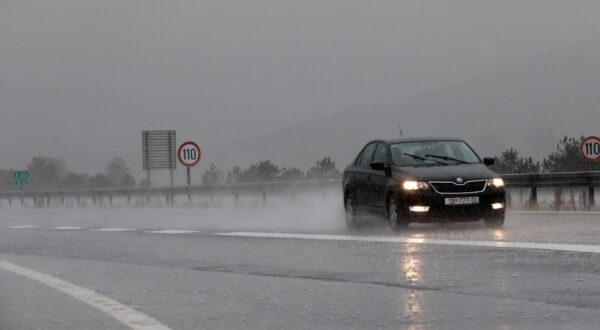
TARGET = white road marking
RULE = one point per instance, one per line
(66, 228)
(171, 231)
(130, 317)
(555, 212)
(23, 227)
(410, 240)
(114, 229)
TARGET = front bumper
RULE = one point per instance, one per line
(440, 212)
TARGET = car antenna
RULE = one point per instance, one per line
(400, 129)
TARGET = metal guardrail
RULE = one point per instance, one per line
(180, 190)
(532, 181)
(168, 192)
(562, 179)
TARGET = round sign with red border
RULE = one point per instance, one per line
(590, 149)
(189, 153)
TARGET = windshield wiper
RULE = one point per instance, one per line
(423, 160)
(447, 158)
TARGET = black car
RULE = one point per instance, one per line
(423, 180)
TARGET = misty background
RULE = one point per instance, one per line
(291, 81)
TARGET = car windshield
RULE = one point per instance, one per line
(429, 153)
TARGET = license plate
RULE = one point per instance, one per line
(462, 200)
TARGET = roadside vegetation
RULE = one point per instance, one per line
(564, 159)
(53, 173)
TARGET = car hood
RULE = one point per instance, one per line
(445, 173)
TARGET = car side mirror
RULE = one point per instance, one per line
(378, 166)
(488, 161)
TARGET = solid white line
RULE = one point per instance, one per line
(130, 317)
(114, 229)
(409, 240)
(66, 228)
(171, 231)
(555, 212)
(23, 227)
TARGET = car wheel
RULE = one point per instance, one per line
(396, 221)
(495, 221)
(351, 216)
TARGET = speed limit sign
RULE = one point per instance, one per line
(189, 153)
(590, 149)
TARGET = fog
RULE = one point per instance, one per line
(272, 86)
(294, 211)
(302, 211)
(291, 81)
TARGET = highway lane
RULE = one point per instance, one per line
(189, 278)
(321, 217)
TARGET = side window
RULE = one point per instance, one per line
(367, 155)
(381, 154)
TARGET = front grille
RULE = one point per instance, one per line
(449, 187)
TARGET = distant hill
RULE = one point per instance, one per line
(527, 106)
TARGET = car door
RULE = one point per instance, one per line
(361, 173)
(377, 179)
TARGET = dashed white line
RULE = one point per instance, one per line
(171, 231)
(130, 317)
(410, 240)
(66, 228)
(114, 229)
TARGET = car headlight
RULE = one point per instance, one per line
(414, 185)
(496, 183)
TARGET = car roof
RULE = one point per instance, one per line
(420, 139)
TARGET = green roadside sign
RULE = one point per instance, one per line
(21, 178)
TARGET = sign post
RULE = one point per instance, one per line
(21, 179)
(189, 155)
(590, 152)
(590, 149)
(159, 153)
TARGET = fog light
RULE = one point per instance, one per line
(418, 208)
(497, 206)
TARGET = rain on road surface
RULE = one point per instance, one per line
(282, 268)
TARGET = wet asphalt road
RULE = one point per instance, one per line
(188, 278)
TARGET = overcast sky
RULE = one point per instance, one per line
(80, 79)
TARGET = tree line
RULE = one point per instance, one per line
(265, 171)
(47, 173)
(565, 158)
(52, 173)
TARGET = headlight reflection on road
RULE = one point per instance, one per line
(413, 302)
(410, 265)
(499, 234)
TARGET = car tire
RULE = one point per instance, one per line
(351, 214)
(395, 219)
(496, 221)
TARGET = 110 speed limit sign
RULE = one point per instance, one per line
(590, 149)
(189, 154)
